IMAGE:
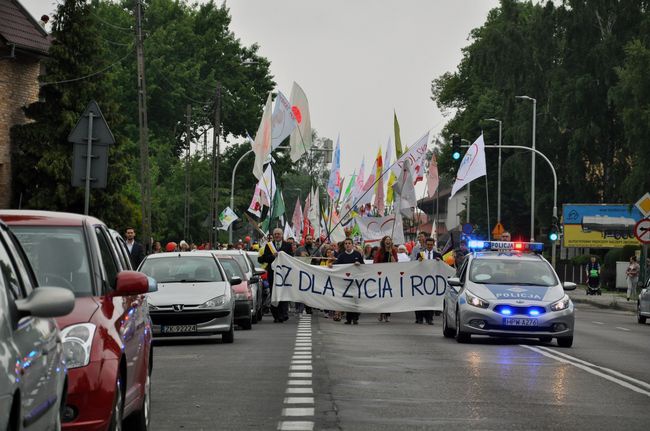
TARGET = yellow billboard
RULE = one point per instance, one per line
(599, 226)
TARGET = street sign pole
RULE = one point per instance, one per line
(89, 158)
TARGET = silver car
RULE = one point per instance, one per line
(508, 293)
(32, 367)
(643, 303)
(194, 296)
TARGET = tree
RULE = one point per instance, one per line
(41, 154)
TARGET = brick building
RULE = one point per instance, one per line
(23, 47)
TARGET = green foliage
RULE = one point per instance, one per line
(41, 154)
(608, 273)
(586, 64)
(582, 259)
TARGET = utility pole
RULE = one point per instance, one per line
(188, 143)
(215, 166)
(145, 181)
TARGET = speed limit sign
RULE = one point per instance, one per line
(642, 231)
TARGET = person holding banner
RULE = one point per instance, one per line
(429, 253)
(271, 250)
(386, 253)
(347, 256)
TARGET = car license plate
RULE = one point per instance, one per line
(513, 321)
(177, 329)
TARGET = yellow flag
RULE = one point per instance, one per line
(398, 140)
(389, 192)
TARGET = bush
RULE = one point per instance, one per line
(608, 271)
(581, 260)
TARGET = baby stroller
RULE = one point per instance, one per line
(593, 283)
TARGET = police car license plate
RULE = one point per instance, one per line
(514, 321)
(178, 329)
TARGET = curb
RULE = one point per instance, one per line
(614, 305)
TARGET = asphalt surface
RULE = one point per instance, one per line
(399, 375)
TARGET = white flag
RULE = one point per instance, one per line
(262, 144)
(314, 211)
(405, 197)
(283, 120)
(227, 217)
(416, 156)
(373, 229)
(288, 232)
(472, 166)
(255, 206)
(300, 140)
(267, 186)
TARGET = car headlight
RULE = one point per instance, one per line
(562, 304)
(214, 302)
(476, 301)
(77, 342)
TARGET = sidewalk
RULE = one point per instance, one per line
(608, 299)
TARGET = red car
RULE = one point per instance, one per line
(107, 337)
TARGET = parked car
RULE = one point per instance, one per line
(194, 296)
(252, 277)
(643, 303)
(107, 337)
(32, 367)
(241, 291)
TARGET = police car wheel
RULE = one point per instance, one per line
(565, 341)
(446, 330)
(461, 336)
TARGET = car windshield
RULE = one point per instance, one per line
(232, 268)
(182, 269)
(241, 260)
(255, 259)
(512, 272)
(58, 255)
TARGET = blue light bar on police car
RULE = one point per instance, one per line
(477, 245)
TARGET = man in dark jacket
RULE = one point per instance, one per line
(271, 250)
(349, 255)
(136, 251)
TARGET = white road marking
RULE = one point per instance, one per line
(299, 400)
(622, 329)
(578, 363)
(295, 426)
(308, 356)
(598, 323)
(300, 368)
(303, 348)
(299, 383)
(300, 391)
(301, 361)
(300, 375)
(298, 411)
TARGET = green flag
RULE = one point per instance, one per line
(398, 140)
(350, 184)
(278, 204)
(265, 225)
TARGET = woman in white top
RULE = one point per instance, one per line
(403, 254)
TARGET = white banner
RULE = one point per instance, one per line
(471, 167)
(374, 288)
(283, 120)
(373, 229)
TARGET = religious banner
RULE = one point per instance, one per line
(374, 288)
(373, 229)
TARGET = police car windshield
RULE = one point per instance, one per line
(512, 272)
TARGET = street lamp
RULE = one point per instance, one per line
(532, 181)
(499, 170)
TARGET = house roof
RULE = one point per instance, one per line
(19, 28)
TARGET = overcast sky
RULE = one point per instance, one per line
(357, 60)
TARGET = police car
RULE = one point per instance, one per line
(507, 289)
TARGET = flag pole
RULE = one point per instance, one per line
(487, 203)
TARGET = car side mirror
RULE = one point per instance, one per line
(259, 271)
(131, 283)
(235, 280)
(46, 302)
(254, 279)
(454, 281)
(567, 285)
(153, 285)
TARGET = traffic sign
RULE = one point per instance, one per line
(642, 231)
(643, 205)
(497, 231)
(101, 133)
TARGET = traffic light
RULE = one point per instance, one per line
(553, 232)
(455, 147)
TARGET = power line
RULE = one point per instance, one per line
(99, 72)
(103, 21)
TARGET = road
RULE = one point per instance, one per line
(325, 375)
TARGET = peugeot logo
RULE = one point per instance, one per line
(178, 307)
